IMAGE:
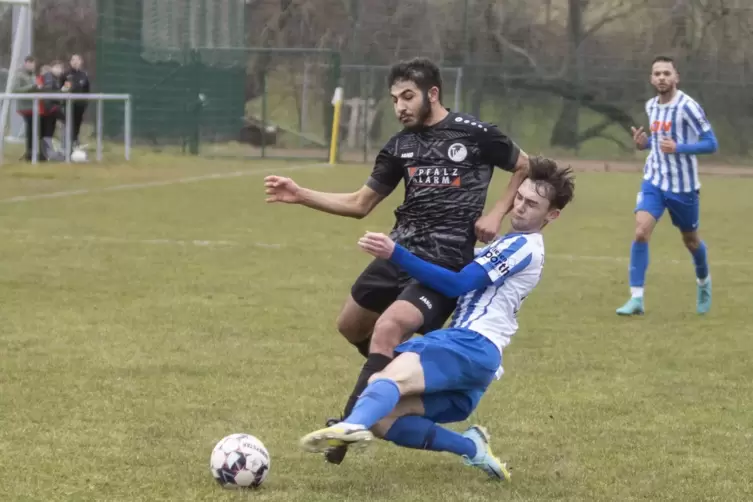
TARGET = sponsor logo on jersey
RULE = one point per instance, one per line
(434, 176)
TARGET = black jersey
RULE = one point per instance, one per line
(447, 169)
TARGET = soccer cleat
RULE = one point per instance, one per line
(485, 459)
(703, 301)
(634, 306)
(336, 435)
(335, 455)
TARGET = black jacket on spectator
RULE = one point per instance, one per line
(50, 83)
(79, 81)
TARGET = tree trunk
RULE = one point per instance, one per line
(565, 132)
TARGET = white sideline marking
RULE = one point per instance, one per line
(117, 240)
(272, 245)
(149, 184)
(169, 242)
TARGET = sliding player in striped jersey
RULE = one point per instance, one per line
(679, 131)
(440, 377)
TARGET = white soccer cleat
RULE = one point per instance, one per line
(336, 435)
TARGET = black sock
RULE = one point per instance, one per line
(363, 347)
(374, 364)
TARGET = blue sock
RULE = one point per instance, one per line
(638, 264)
(376, 402)
(422, 434)
(701, 265)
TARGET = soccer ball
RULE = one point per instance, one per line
(239, 461)
(78, 156)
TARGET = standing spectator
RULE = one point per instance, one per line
(77, 82)
(51, 81)
(26, 81)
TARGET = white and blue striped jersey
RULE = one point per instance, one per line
(514, 263)
(684, 121)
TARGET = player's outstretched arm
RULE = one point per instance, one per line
(354, 205)
(447, 282)
(488, 225)
(385, 176)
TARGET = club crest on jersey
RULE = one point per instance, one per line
(457, 152)
(434, 176)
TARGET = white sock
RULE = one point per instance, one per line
(703, 282)
(636, 292)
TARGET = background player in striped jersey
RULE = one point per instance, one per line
(440, 378)
(679, 131)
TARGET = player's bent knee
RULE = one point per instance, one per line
(395, 325)
(406, 372)
(388, 333)
(382, 376)
(352, 332)
(644, 226)
(354, 322)
(402, 384)
(691, 240)
(642, 234)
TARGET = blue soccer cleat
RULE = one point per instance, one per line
(703, 301)
(634, 306)
(485, 459)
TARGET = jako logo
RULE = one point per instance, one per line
(457, 152)
(426, 301)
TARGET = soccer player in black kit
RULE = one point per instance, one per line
(446, 161)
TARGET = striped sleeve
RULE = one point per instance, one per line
(695, 115)
(506, 258)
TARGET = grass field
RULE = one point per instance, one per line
(147, 317)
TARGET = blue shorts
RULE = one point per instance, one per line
(458, 364)
(684, 208)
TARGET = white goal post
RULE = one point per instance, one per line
(21, 41)
(35, 97)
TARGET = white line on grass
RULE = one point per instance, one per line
(150, 184)
(272, 245)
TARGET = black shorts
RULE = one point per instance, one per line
(382, 283)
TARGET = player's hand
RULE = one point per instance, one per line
(378, 245)
(486, 228)
(668, 145)
(282, 189)
(639, 137)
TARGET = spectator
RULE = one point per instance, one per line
(77, 82)
(26, 81)
(51, 81)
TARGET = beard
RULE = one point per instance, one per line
(423, 114)
(666, 89)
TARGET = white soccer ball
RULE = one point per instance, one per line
(78, 156)
(239, 461)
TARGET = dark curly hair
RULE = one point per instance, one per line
(421, 71)
(552, 181)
